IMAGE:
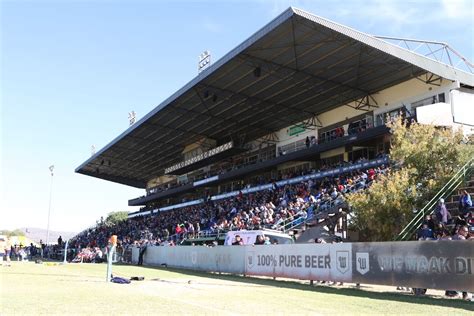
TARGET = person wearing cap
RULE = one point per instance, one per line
(445, 216)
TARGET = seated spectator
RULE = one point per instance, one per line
(275, 207)
(260, 240)
(465, 203)
(430, 222)
(238, 241)
(461, 234)
(425, 233)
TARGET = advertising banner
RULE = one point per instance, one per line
(307, 262)
(444, 265)
(216, 259)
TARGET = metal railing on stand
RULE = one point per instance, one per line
(450, 186)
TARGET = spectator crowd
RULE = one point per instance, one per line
(442, 225)
(272, 208)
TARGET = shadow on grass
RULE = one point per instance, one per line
(383, 296)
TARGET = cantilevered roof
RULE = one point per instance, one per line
(297, 66)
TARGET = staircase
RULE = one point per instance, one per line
(322, 226)
(452, 203)
(463, 179)
(315, 220)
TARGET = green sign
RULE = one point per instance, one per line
(296, 129)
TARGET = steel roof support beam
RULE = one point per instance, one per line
(189, 132)
(430, 79)
(304, 80)
(443, 47)
(210, 115)
(270, 139)
(259, 101)
(312, 123)
(365, 103)
(309, 76)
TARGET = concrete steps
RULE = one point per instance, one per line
(452, 202)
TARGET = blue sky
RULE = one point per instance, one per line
(72, 70)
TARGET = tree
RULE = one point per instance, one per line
(10, 233)
(424, 158)
(114, 218)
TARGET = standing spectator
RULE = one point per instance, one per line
(166, 233)
(60, 241)
(197, 228)
(32, 251)
(43, 246)
(465, 202)
(141, 253)
(178, 230)
(444, 215)
(190, 230)
(307, 142)
(2, 249)
(7, 251)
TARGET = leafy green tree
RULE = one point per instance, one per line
(424, 157)
(113, 218)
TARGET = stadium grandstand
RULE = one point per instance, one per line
(273, 134)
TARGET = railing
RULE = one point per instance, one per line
(218, 234)
(284, 227)
(293, 223)
(297, 223)
(209, 234)
(316, 175)
(444, 193)
(312, 212)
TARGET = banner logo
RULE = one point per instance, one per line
(250, 260)
(194, 257)
(362, 262)
(342, 261)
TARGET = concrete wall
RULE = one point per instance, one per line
(428, 264)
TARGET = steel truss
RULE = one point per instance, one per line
(365, 103)
(438, 51)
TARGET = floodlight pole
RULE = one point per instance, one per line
(51, 168)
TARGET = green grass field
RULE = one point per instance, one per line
(28, 288)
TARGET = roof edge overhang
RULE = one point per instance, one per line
(121, 180)
(288, 13)
(432, 66)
